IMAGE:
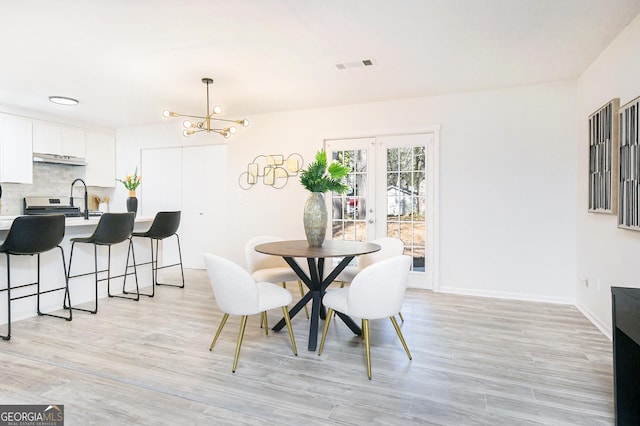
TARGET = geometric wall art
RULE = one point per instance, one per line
(275, 170)
(629, 184)
(603, 158)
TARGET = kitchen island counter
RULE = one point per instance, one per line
(23, 269)
(6, 221)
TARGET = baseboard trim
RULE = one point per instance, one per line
(507, 295)
(604, 328)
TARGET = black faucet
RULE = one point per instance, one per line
(86, 197)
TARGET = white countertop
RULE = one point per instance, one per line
(6, 221)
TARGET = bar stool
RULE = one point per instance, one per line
(113, 228)
(31, 235)
(164, 225)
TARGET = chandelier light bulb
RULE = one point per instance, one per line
(166, 113)
(233, 130)
(217, 109)
(187, 124)
(245, 122)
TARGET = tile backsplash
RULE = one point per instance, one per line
(48, 180)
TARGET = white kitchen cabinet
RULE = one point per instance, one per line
(193, 180)
(16, 156)
(100, 155)
(73, 141)
(51, 138)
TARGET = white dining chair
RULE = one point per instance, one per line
(376, 292)
(237, 293)
(389, 247)
(267, 268)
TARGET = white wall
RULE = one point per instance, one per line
(607, 256)
(507, 181)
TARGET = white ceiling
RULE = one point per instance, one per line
(127, 60)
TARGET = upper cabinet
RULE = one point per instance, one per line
(100, 155)
(51, 138)
(15, 149)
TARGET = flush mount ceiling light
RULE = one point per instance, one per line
(63, 100)
(205, 125)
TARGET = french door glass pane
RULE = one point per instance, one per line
(406, 206)
(349, 209)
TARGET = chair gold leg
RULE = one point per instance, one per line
(306, 310)
(401, 317)
(243, 324)
(406, 348)
(266, 324)
(324, 332)
(288, 321)
(224, 320)
(365, 331)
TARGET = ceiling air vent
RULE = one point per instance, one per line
(356, 64)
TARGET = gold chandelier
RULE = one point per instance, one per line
(206, 123)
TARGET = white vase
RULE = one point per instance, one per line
(315, 219)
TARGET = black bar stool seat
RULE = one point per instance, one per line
(165, 225)
(113, 228)
(28, 236)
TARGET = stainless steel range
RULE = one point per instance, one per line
(49, 205)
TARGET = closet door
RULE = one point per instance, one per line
(204, 203)
(194, 181)
(161, 171)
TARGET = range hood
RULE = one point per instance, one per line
(59, 159)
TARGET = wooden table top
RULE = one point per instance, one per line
(330, 248)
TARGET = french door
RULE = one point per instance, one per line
(391, 193)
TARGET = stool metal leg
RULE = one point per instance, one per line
(8, 336)
(155, 252)
(153, 272)
(95, 274)
(130, 251)
(176, 264)
(66, 287)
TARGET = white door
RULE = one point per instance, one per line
(194, 181)
(161, 169)
(391, 193)
(204, 203)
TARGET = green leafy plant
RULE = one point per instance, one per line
(320, 177)
(131, 182)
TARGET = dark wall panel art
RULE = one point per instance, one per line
(629, 185)
(603, 158)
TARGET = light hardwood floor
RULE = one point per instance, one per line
(476, 361)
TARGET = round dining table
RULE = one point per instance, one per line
(316, 278)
